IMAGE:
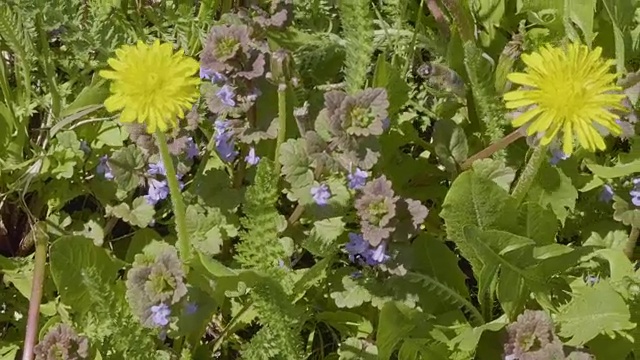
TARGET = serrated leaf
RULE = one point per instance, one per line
(450, 143)
(139, 214)
(538, 223)
(204, 229)
(474, 200)
(71, 258)
(353, 295)
(396, 322)
(296, 164)
(322, 240)
(468, 339)
(624, 213)
(612, 172)
(495, 170)
(347, 323)
(615, 239)
(127, 165)
(552, 188)
(592, 311)
(357, 349)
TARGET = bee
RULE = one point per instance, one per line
(443, 77)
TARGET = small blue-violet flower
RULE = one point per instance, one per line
(357, 246)
(160, 314)
(225, 144)
(190, 308)
(227, 95)
(606, 195)
(556, 156)
(252, 158)
(209, 74)
(192, 149)
(635, 193)
(104, 169)
(158, 190)
(379, 255)
(357, 179)
(321, 194)
(157, 169)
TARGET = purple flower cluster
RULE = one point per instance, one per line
(104, 169)
(321, 194)
(158, 189)
(192, 149)
(360, 250)
(214, 76)
(225, 144)
(227, 95)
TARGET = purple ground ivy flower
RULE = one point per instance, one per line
(157, 169)
(225, 145)
(209, 74)
(556, 156)
(227, 95)
(635, 193)
(190, 308)
(378, 255)
(357, 246)
(606, 195)
(160, 314)
(158, 190)
(104, 169)
(192, 149)
(357, 179)
(252, 158)
(321, 194)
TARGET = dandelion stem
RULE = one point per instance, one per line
(630, 246)
(282, 123)
(41, 243)
(491, 149)
(179, 211)
(529, 174)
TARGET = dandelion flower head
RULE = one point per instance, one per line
(151, 84)
(568, 92)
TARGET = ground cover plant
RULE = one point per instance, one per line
(319, 179)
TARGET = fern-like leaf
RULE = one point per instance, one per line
(447, 294)
(357, 30)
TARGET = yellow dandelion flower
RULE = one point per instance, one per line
(151, 84)
(569, 92)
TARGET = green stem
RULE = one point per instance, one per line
(282, 123)
(31, 334)
(529, 174)
(220, 339)
(461, 18)
(179, 210)
(630, 246)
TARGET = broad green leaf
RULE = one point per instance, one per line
(538, 223)
(139, 240)
(612, 172)
(347, 323)
(581, 12)
(508, 258)
(322, 240)
(552, 188)
(388, 77)
(624, 213)
(621, 14)
(418, 349)
(8, 351)
(94, 94)
(311, 276)
(592, 311)
(213, 189)
(296, 165)
(450, 144)
(75, 263)
(468, 339)
(495, 170)
(474, 200)
(396, 322)
(615, 239)
(127, 165)
(139, 214)
(357, 349)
